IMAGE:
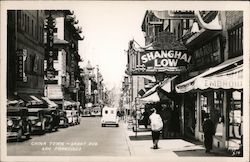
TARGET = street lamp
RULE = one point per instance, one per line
(77, 89)
(95, 93)
(63, 83)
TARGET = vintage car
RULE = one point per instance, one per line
(52, 119)
(96, 111)
(18, 124)
(63, 119)
(109, 116)
(38, 120)
(72, 115)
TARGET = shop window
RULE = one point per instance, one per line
(235, 115)
(217, 115)
(235, 41)
(204, 108)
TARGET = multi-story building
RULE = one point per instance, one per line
(25, 55)
(217, 66)
(209, 79)
(65, 57)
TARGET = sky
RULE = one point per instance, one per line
(107, 31)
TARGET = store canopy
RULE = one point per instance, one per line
(68, 103)
(154, 97)
(50, 103)
(167, 84)
(33, 99)
(228, 75)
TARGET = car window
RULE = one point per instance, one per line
(106, 111)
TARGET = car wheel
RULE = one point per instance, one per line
(103, 125)
(42, 128)
(19, 137)
(28, 131)
(117, 125)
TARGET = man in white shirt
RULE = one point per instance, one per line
(156, 126)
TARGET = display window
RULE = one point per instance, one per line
(235, 115)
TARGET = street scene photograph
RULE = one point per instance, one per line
(124, 80)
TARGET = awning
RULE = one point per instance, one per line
(51, 104)
(167, 84)
(227, 75)
(154, 97)
(152, 90)
(32, 99)
(69, 103)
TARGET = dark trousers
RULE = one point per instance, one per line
(155, 135)
(208, 142)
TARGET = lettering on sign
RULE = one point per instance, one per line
(171, 60)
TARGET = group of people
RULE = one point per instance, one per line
(156, 123)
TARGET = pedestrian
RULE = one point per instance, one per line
(145, 118)
(209, 131)
(156, 126)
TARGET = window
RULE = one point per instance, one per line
(204, 108)
(32, 27)
(28, 24)
(19, 19)
(25, 22)
(235, 41)
(106, 111)
(208, 54)
(235, 113)
(185, 24)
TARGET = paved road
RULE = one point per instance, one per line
(86, 139)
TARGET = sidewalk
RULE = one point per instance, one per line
(141, 145)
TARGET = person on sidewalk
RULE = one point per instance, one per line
(156, 126)
(209, 131)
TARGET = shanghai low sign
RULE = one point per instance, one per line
(165, 60)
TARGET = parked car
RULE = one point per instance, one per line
(109, 116)
(38, 119)
(72, 115)
(96, 111)
(18, 124)
(63, 119)
(52, 119)
(76, 117)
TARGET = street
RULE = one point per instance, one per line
(86, 139)
(90, 139)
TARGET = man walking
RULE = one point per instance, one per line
(156, 126)
(209, 131)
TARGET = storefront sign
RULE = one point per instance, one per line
(169, 60)
(54, 91)
(21, 58)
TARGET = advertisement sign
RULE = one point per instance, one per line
(54, 91)
(174, 61)
(21, 58)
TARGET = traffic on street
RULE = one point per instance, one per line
(124, 81)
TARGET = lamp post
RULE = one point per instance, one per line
(77, 89)
(63, 83)
(95, 97)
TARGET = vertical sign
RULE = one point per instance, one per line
(50, 26)
(21, 58)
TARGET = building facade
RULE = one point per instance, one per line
(62, 86)
(213, 42)
(25, 54)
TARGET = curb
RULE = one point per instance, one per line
(130, 147)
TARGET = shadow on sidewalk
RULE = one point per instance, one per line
(196, 153)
